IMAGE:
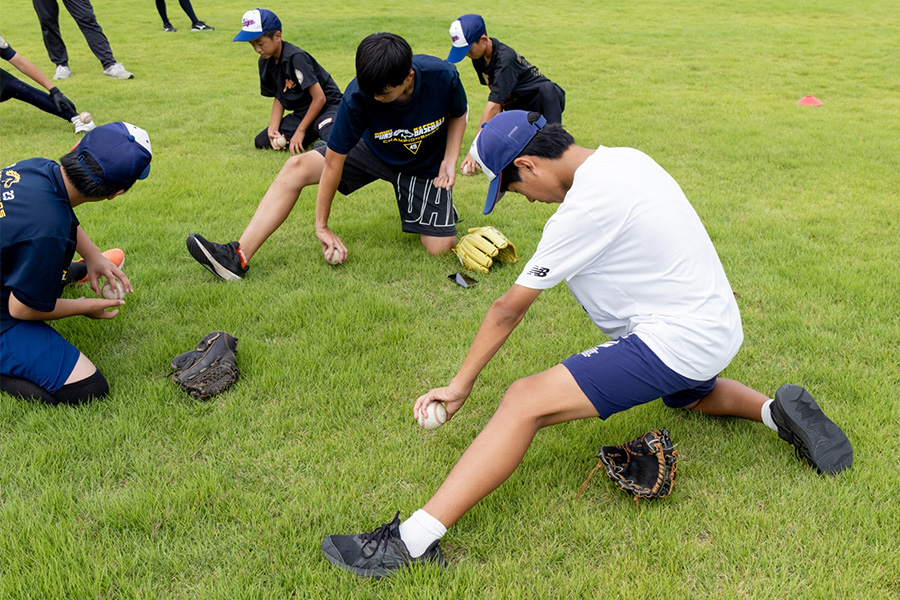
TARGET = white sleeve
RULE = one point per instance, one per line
(571, 241)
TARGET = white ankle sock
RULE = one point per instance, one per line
(420, 531)
(767, 415)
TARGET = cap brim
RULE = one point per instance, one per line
(458, 53)
(493, 194)
(247, 36)
(145, 173)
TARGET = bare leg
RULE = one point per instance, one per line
(730, 398)
(297, 173)
(529, 404)
(84, 368)
(437, 245)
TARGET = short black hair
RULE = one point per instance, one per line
(383, 60)
(82, 180)
(271, 34)
(550, 142)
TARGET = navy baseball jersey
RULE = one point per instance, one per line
(40, 232)
(411, 136)
(508, 74)
(288, 80)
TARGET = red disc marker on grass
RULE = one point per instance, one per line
(809, 101)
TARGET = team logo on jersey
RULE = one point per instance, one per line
(288, 84)
(299, 76)
(538, 271)
(412, 140)
(10, 178)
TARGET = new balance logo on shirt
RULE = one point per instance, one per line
(538, 271)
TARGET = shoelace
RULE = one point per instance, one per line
(380, 536)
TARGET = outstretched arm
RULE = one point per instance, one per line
(504, 315)
(332, 247)
(469, 166)
(28, 69)
(455, 130)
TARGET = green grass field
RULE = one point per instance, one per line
(151, 494)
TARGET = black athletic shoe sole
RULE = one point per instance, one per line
(817, 439)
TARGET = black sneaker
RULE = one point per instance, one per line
(168, 27)
(814, 436)
(221, 260)
(201, 26)
(376, 554)
(75, 273)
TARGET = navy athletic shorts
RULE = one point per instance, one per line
(624, 373)
(35, 351)
(424, 209)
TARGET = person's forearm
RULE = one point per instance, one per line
(87, 249)
(328, 184)
(315, 107)
(64, 308)
(277, 115)
(491, 110)
(28, 69)
(501, 319)
(456, 128)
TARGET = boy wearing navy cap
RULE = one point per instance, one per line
(40, 236)
(635, 255)
(294, 80)
(515, 83)
(402, 121)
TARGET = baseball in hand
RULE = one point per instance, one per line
(334, 258)
(113, 293)
(85, 117)
(433, 415)
(279, 141)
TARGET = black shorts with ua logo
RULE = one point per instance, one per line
(424, 209)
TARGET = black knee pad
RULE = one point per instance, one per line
(22, 388)
(91, 388)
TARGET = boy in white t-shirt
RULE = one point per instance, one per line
(635, 255)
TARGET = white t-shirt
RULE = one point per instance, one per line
(635, 255)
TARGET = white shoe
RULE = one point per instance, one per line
(117, 71)
(81, 126)
(62, 72)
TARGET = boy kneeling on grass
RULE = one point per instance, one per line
(402, 121)
(40, 237)
(636, 257)
(294, 80)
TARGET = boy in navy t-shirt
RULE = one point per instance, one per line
(294, 80)
(40, 236)
(401, 120)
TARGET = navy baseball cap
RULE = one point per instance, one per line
(255, 23)
(464, 32)
(122, 151)
(498, 143)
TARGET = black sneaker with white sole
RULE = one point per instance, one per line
(222, 260)
(816, 439)
(377, 553)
